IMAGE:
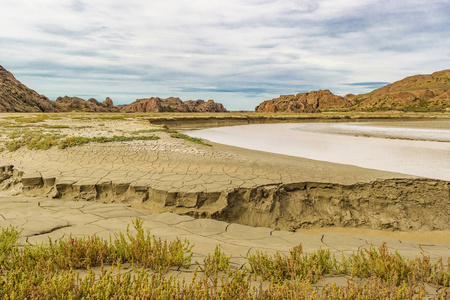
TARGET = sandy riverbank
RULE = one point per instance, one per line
(222, 182)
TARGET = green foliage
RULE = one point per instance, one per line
(298, 265)
(75, 253)
(79, 140)
(8, 243)
(13, 145)
(390, 267)
(73, 141)
(212, 264)
(153, 130)
(49, 271)
(29, 119)
(189, 138)
(148, 251)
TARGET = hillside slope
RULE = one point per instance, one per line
(420, 93)
(16, 97)
(415, 93)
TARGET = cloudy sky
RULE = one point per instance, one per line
(238, 52)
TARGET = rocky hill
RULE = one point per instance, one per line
(415, 93)
(172, 104)
(92, 105)
(16, 97)
(311, 102)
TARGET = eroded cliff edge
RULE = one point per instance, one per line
(394, 204)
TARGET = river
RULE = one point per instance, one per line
(416, 148)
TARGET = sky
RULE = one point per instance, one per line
(237, 52)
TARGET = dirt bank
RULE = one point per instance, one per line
(230, 119)
(392, 204)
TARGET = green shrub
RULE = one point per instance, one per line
(75, 253)
(212, 264)
(297, 265)
(8, 243)
(148, 251)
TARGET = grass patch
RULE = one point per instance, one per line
(30, 119)
(152, 131)
(37, 140)
(79, 140)
(189, 138)
(33, 140)
(56, 126)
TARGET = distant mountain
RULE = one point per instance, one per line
(172, 104)
(16, 97)
(414, 93)
(311, 102)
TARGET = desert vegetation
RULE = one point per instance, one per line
(138, 265)
(44, 131)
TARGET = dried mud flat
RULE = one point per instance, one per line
(219, 182)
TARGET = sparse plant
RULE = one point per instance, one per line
(297, 265)
(148, 251)
(218, 262)
(189, 138)
(8, 243)
(75, 253)
(48, 271)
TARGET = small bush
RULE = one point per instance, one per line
(148, 251)
(298, 265)
(8, 243)
(13, 145)
(212, 264)
(75, 253)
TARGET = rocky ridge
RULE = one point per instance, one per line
(68, 104)
(172, 104)
(311, 102)
(415, 93)
(16, 97)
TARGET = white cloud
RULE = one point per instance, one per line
(193, 49)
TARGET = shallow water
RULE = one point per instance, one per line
(368, 145)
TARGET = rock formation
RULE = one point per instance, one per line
(16, 97)
(172, 104)
(92, 105)
(202, 106)
(415, 93)
(311, 102)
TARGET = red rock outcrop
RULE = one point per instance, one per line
(67, 103)
(16, 97)
(172, 104)
(311, 102)
(202, 106)
(415, 93)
